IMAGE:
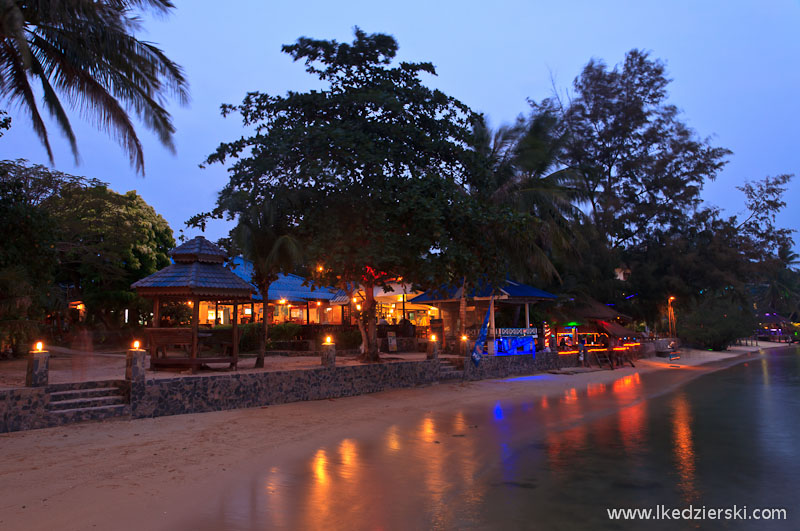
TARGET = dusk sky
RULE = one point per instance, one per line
(735, 66)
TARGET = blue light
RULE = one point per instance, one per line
(498, 412)
(537, 377)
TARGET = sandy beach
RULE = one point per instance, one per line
(142, 474)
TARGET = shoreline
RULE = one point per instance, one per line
(72, 476)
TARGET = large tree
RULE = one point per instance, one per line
(384, 164)
(86, 51)
(641, 167)
(107, 241)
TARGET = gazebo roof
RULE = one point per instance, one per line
(197, 272)
(198, 250)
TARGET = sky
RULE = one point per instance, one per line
(734, 66)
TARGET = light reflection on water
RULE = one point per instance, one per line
(684, 445)
(557, 461)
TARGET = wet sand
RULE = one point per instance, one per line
(157, 473)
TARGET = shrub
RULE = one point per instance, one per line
(715, 322)
(284, 332)
(347, 339)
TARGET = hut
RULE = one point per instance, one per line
(479, 302)
(197, 274)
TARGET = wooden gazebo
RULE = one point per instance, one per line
(198, 274)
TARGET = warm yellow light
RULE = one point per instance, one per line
(282, 301)
(39, 346)
(136, 345)
(358, 307)
(463, 338)
(319, 303)
(328, 340)
(320, 268)
(433, 337)
(354, 300)
(671, 299)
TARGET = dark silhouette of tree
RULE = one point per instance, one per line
(86, 52)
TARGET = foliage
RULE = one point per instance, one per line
(347, 339)
(86, 52)
(715, 321)
(73, 236)
(107, 242)
(177, 313)
(27, 261)
(285, 331)
(250, 337)
(17, 324)
(378, 166)
(266, 237)
(640, 167)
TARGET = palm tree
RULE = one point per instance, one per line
(85, 52)
(265, 235)
(523, 173)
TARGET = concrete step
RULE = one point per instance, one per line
(451, 375)
(76, 386)
(86, 402)
(69, 416)
(73, 394)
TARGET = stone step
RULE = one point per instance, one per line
(73, 394)
(76, 386)
(82, 403)
(451, 375)
(69, 416)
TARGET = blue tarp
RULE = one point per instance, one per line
(511, 288)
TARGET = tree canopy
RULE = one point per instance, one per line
(72, 234)
(382, 167)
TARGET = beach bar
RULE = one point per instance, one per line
(475, 304)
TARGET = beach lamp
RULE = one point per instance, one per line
(328, 340)
(319, 303)
(433, 337)
(354, 300)
(358, 307)
(39, 346)
(136, 345)
(282, 301)
(463, 338)
(320, 268)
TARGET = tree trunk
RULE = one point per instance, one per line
(262, 344)
(371, 347)
(462, 318)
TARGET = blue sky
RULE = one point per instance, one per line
(735, 66)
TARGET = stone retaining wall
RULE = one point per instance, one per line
(518, 364)
(197, 394)
(26, 408)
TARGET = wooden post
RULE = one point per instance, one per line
(253, 313)
(235, 334)
(527, 316)
(156, 316)
(308, 314)
(195, 325)
(216, 313)
(491, 325)
(404, 302)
